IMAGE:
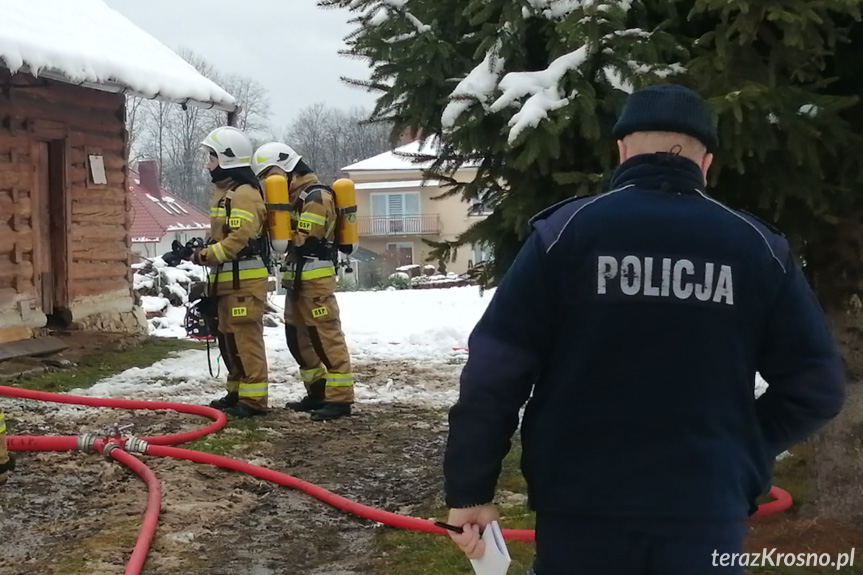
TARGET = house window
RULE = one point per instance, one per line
(396, 213)
(403, 252)
(481, 253)
(479, 208)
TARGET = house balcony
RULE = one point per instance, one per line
(371, 226)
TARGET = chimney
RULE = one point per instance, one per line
(408, 136)
(148, 170)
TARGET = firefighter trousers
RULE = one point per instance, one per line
(4, 455)
(241, 341)
(315, 338)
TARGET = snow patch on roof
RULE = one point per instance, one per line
(187, 227)
(396, 185)
(84, 41)
(397, 160)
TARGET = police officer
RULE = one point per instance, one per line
(636, 321)
(312, 321)
(7, 460)
(238, 275)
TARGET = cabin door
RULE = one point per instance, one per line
(49, 227)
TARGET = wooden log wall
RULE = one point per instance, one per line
(76, 122)
(16, 210)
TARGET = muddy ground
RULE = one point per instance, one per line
(75, 513)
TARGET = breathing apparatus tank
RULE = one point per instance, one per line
(347, 236)
(278, 212)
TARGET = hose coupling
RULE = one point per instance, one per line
(86, 442)
(136, 445)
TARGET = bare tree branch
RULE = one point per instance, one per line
(329, 139)
(254, 102)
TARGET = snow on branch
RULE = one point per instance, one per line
(417, 24)
(382, 15)
(479, 86)
(630, 33)
(660, 71)
(400, 38)
(616, 79)
(543, 88)
(554, 9)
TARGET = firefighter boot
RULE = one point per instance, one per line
(331, 410)
(314, 398)
(226, 402)
(7, 468)
(244, 411)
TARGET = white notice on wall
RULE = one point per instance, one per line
(97, 170)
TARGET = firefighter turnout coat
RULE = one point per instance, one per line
(313, 325)
(238, 279)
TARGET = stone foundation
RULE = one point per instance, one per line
(132, 322)
(113, 312)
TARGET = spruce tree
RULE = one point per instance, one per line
(530, 89)
(785, 77)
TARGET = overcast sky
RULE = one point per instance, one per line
(289, 46)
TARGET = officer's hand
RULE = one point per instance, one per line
(473, 520)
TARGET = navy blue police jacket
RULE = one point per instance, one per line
(633, 324)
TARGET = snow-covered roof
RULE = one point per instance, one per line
(85, 42)
(394, 161)
(396, 185)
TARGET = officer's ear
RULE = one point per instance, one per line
(706, 162)
(621, 150)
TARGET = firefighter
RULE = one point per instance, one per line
(236, 253)
(312, 324)
(7, 460)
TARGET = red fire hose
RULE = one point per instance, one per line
(220, 419)
(781, 502)
(118, 448)
(154, 504)
(328, 497)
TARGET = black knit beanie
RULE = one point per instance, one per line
(669, 108)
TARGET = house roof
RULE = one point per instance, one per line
(363, 255)
(87, 43)
(395, 160)
(396, 185)
(154, 215)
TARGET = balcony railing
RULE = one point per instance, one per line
(398, 225)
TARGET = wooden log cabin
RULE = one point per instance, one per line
(64, 195)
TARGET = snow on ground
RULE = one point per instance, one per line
(404, 339)
(407, 346)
